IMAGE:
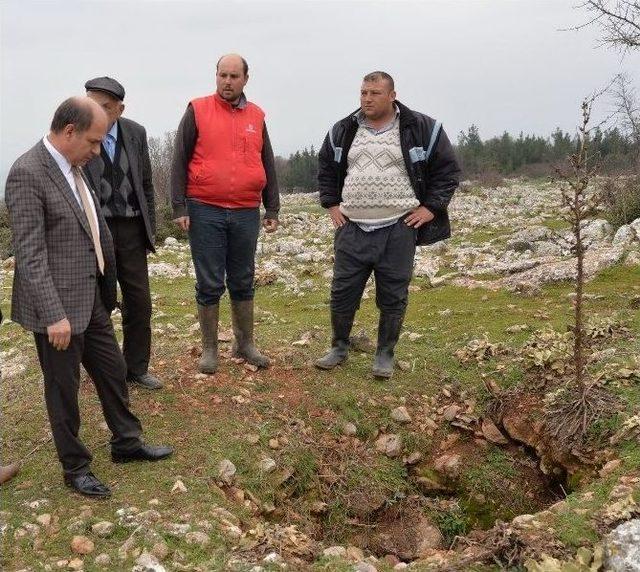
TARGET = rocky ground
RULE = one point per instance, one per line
(448, 467)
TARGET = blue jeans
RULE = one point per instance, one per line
(223, 245)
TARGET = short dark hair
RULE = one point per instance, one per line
(377, 76)
(245, 65)
(74, 112)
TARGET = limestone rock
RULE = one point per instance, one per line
(390, 444)
(196, 537)
(492, 433)
(82, 545)
(622, 548)
(335, 552)
(103, 529)
(102, 560)
(401, 415)
(267, 465)
(226, 471)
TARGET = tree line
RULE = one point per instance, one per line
(505, 155)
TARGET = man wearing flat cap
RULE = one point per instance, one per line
(121, 174)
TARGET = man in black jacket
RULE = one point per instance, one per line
(386, 175)
(121, 174)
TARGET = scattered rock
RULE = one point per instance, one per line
(44, 519)
(401, 415)
(75, 564)
(102, 560)
(147, 562)
(448, 465)
(267, 465)
(335, 552)
(274, 443)
(179, 487)
(103, 529)
(451, 412)
(226, 471)
(196, 537)
(82, 545)
(349, 429)
(390, 444)
(622, 548)
(492, 433)
(610, 467)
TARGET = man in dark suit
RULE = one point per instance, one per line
(121, 175)
(64, 289)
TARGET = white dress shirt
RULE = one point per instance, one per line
(65, 167)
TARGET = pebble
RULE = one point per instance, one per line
(401, 415)
(103, 529)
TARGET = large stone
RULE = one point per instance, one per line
(622, 548)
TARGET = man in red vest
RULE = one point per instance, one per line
(223, 168)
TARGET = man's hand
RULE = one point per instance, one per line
(270, 224)
(419, 216)
(182, 222)
(337, 218)
(60, 334)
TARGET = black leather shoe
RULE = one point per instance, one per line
(87, 484)
(144, 453)
(145, 380)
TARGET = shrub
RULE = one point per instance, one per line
(621, 200)
(165, 226)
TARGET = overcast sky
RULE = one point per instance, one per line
(501, 64)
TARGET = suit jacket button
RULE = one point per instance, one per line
(91, 249)
(92, 275)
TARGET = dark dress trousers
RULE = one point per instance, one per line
(56, 277)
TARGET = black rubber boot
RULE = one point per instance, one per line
(208, 316)
(341, 325)
(243, 346)
(389, 328)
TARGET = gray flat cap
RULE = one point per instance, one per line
(106, 84)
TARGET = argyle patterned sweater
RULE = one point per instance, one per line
(377, 188)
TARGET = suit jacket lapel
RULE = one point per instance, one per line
(129, 145)
(92, 172)
(61, 183)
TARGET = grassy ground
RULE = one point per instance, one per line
(234, 415)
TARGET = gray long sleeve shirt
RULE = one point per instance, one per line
(185, 143)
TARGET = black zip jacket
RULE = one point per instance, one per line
(434, 180)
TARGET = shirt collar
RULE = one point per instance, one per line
(113, 131)
(361, 119)
(242, 102)
(58, 157)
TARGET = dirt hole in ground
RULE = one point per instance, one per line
(350, 495)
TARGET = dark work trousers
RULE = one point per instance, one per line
(130, 243)
(97, 349)
(223, 245)
(388, 252)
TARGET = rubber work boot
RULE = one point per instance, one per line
(243, 346)
(208, 316)
(388, 333)
(7, 472)
(341, 327)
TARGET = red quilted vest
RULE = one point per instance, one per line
(226, 166)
